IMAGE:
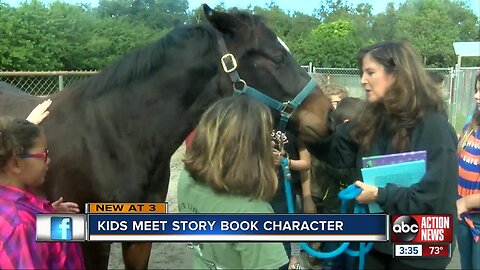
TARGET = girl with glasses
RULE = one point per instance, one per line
(23, 165)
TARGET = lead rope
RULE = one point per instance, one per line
(350, 193)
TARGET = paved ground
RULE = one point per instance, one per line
(454, 264)
(163, 255)
(177, 255)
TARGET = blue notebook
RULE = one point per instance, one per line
(402, 174)
(374, 161)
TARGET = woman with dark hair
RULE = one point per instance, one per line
(468, 204)
(404, 112)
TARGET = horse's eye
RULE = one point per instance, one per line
(278, 59)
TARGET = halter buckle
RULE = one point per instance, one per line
(229, 63)
(239, 90)
(287, 109)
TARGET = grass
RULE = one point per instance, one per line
(459, 123)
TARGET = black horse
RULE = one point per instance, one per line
(111, 136)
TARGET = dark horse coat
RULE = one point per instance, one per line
(111, 136)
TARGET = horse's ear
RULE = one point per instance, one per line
(222, 21)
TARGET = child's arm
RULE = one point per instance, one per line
(302, 164)
(294, 254)
(65, 207)
(308, 204)
(467, 203)
(472, 201)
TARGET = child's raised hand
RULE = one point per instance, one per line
(65, 207)
(40, 112)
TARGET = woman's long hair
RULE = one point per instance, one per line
(232, 150)
(405, 103)
(473, 125)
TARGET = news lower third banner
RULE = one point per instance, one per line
(213, 227)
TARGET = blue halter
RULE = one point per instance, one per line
(240, 87)
(350, 193)
(286, 110)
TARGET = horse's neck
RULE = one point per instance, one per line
(159, 111)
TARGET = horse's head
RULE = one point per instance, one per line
(263, 62)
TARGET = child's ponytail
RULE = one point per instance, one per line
(8, 145)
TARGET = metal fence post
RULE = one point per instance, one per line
(60, 82)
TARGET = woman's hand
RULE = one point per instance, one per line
(369, 193)
(40, 112)
(65, 207)
(468, 203)
(277, 157)
(461, 207)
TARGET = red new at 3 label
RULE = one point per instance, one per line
(422, 228)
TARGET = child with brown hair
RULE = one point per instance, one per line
(23, 164)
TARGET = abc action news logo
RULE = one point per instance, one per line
(422, 228)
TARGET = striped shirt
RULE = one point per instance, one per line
(18, 246)
(469, 167)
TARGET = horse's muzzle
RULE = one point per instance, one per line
(331, 121)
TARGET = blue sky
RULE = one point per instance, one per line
(305, 6)
(308, 6)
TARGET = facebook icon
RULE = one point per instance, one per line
(61, 228)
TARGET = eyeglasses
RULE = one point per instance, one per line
(43, 155)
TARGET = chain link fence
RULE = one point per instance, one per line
(43, 83)
(457, 88)
(463, 104)
(350, 79)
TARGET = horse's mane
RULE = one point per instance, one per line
(147, 59)
(144, 60)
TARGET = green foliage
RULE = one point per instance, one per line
(62, 36)
(27, 36)
(76, 37)
(332, 44)
(427, 25)
(384, 25)
(156, 14)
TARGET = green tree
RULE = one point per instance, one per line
(360, 16)
(384, 24)
(333, 10)
(7, 32)
(113, 38)
(36, 36)
(156, 14)
(289, 27)
(197, 16)
(332, 44)
(73, 25)
(428, 25)
(29, 36)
